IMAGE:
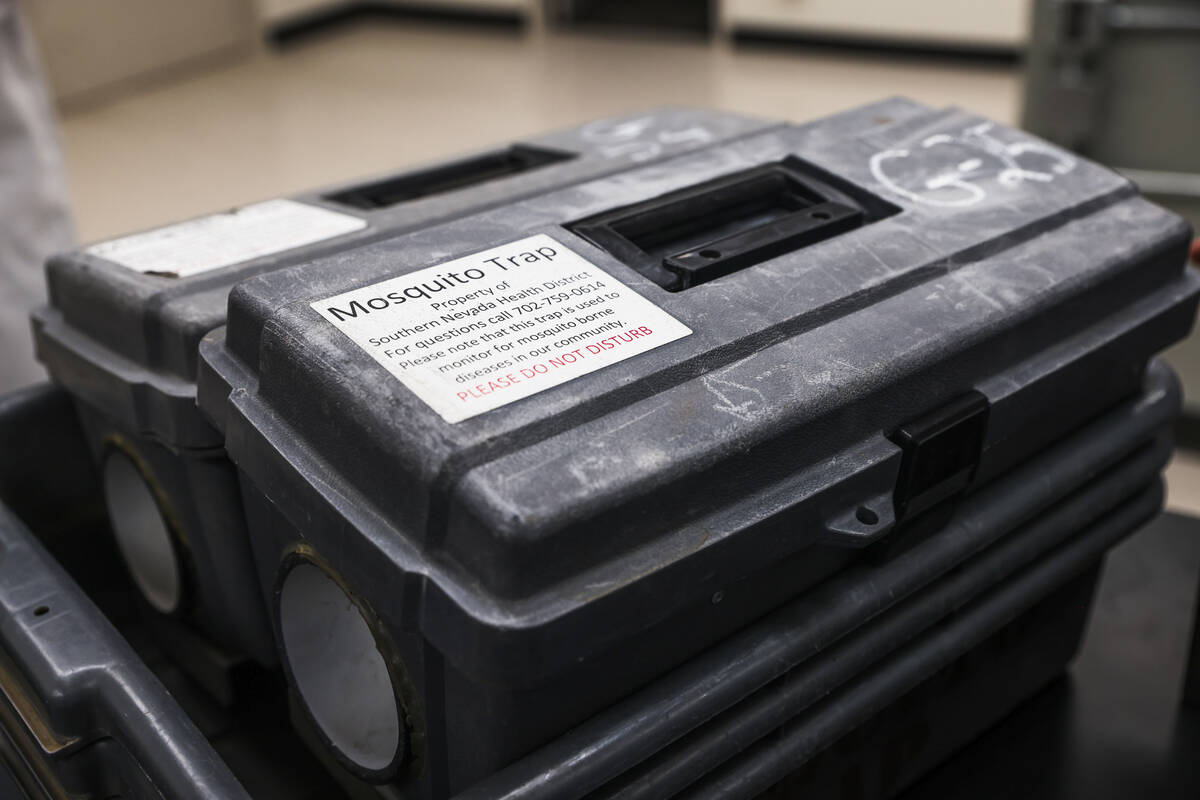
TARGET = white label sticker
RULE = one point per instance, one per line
(479, 332)
(219, 240)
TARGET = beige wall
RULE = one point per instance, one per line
(987, 22)
(92, 48)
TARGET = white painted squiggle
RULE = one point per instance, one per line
(971, 192)
(970, 157)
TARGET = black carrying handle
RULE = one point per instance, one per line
(449, 177)
(697, 234)
(739, 250)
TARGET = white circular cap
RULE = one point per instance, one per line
(337, 668)
(142, 535)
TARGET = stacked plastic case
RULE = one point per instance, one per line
(783, 464)
(550, 452)
(126, 317)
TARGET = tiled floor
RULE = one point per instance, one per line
(371, 98)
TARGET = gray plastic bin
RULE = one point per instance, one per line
(80, 713)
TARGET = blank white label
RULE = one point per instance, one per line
(476, 333)
(221, 240)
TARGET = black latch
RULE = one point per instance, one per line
(941, 452)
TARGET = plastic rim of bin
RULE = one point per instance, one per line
(338, 669)
(143, 536)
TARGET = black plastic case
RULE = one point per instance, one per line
(981, 295)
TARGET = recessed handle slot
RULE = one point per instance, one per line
(694, 235)
(513, 160)
(770, 239)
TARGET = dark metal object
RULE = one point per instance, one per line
(1116, 82)
(1111, 80)
(1191, 683)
